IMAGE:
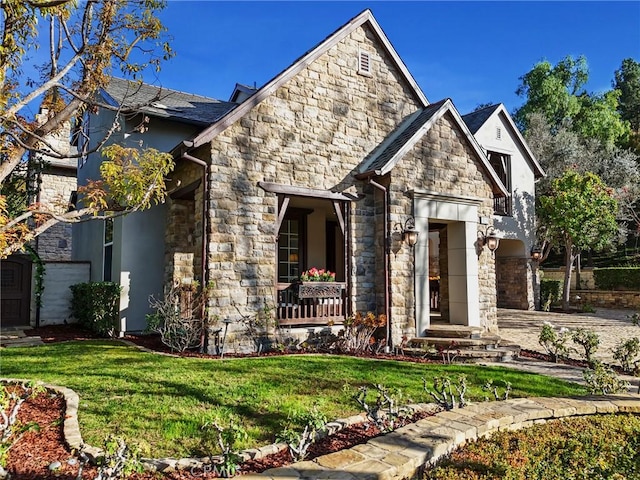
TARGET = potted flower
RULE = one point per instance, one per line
(316, 283)
(315, 275)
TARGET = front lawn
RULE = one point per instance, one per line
(163, 401)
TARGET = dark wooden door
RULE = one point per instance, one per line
(15, 291)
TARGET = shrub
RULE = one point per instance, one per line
(617, 278)
(550, 293)
(300, 441)
(177, 318)
(626, 352)
(554, 341)
(594, 447)
(358, 333)
(602, 380)
(96, 306)
(588, 340)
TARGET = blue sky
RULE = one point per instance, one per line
(473, 52)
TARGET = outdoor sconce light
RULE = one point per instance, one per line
(408, 231)
(489, 239)
(536, 254)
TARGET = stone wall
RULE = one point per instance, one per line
(312, 132)
(606, 299)
(514, 283)
(55, 191)
(443, 161)
(587, 281)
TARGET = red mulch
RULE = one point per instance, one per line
(30, 457)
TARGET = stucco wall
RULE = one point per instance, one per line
(56, 296)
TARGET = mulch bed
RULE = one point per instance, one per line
(36, 450)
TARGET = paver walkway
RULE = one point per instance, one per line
(523, 327)
(15, 337)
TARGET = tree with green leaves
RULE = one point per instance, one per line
(627, 82)
(578, 213)
(557, 92)
(60, 53)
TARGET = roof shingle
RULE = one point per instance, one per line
(166, 103)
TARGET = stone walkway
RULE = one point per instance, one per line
(402, 453)
(15, 337)
(523, 327)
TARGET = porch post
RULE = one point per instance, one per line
(464, 294)
(421, 272)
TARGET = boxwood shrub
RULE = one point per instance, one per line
(617, 278)
(96, 306)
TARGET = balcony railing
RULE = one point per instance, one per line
(304, 304)
(502, 206)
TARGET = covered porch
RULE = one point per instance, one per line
(311, 228)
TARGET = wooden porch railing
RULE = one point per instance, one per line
(298, 305)
(502, 206)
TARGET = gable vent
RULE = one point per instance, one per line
(498, 133)
(364, 63)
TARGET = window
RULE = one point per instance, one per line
(364, 63)
(501, 164)
(290, 250)
(108, 250)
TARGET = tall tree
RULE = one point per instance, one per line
(558, 93)
(579, 213)
(85, 42)
(627, 82)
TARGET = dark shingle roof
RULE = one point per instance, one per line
(166, 103)
(475, 120)
(400, 137)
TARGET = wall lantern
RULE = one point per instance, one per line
(408, 231)
(489, 238)
(536, 254)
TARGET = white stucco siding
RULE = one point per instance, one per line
(519, 226)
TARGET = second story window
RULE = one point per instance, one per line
(501, 164)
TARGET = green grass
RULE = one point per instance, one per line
(162, 401)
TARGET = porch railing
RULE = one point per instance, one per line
(295, 308)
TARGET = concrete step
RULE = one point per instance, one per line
(453, 331)
(456, 343)
(500, 354)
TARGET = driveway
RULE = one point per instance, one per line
(612, 326)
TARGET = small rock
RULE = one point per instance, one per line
(3, 473)
(72, 461)
(53, 466)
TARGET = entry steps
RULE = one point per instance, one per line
(462, 343)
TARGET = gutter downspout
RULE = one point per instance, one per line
(205, 224)
(387, 309)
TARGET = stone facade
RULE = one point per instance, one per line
(314, 131)
(515, 283)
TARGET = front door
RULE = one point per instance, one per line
(15, 291)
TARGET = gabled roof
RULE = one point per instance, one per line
(477, 119)
(366, 17)
(165, 103)
(405, 137)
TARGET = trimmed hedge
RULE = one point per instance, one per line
(96, 306)
(617, 278)
(550, 290)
